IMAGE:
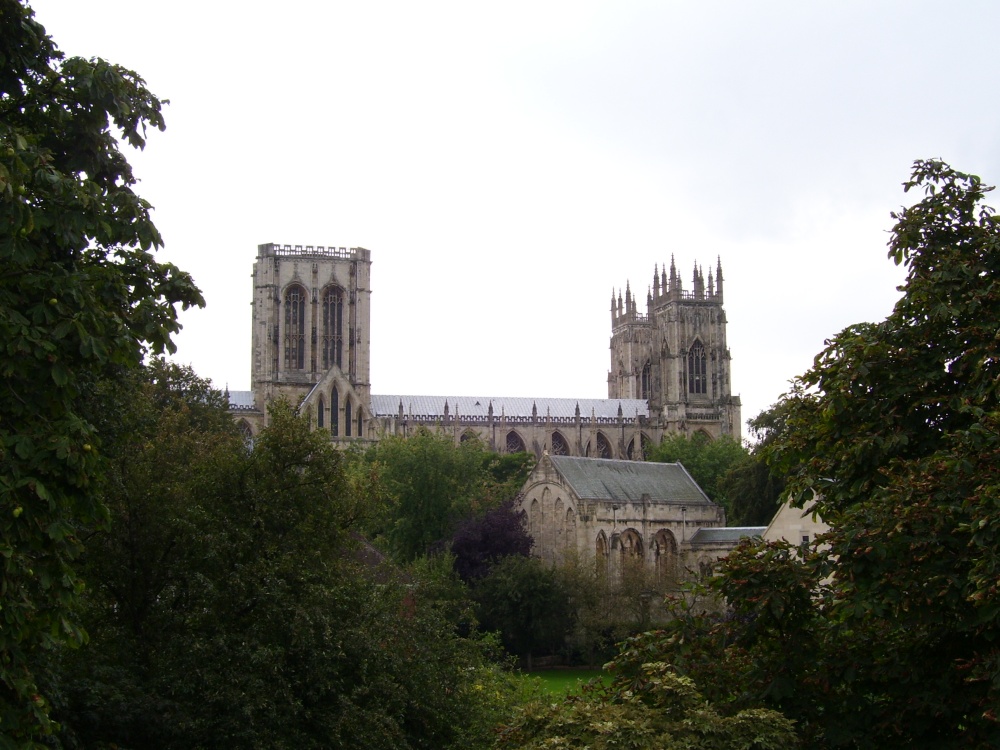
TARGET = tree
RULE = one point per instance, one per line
(525, 602)
(480, 542)
(233, 605)
(80, 295)
(751, 488)
(434, 484)
(888, 632)
(896, 424)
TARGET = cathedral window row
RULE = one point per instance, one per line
(560, 446)
(627, 547)
(331, 342)
(353, 423)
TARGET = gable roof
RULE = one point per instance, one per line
(628, 481)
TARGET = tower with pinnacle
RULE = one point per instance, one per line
(674, 353)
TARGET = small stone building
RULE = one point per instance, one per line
(615, 512)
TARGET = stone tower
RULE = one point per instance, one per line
(675, 355)
(311, 333)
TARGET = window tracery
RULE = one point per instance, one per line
(697, 377)
(295, 328)
(514, 443)
(332, 343)
(559, 445)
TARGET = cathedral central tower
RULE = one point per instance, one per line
(674, 354)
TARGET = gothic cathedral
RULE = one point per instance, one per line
(670, 366)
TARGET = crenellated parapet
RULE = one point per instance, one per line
(675, 353)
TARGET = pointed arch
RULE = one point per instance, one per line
(664, 552)
(599, 448)
(320, 412)
(332, 328)
(245, 430)
(603, 446)
(347, 415)
(560, 446)
(334, 412)
(569, 529)
(535, 523)
(601, 553)
(645, 445)
(361, 422)
(515, 443)
(646, 380)
(295, 327)
(697, 369)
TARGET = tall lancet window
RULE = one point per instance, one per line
(295, 328)
(697, 373)
(645, 381)
(335, 412)
(332, 344)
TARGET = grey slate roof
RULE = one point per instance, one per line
(241, 400)
(728, 535)
(517, 407)
(628, 481)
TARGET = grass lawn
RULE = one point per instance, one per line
(563, 681)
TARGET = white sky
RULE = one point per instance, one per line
(509, 164)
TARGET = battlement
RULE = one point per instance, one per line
(306, 251)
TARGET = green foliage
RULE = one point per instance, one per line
(888, 632)
(80, 295)
(752, 489)
(706, 460)
(610, 608)
(526, 603)
(233, 605)
(653, 708)
(434, 483)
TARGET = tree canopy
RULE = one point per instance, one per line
(232, 603)
(80, 296)
(434, 484)
(888, 632)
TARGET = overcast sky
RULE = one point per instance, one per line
(510, 164)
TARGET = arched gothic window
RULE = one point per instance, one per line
(335, 412)
(320, 413)
(645, 381)
(514, 443)
(697, 373)
(559, 445)
(332, 343)
(295, 328)
(664, 551)
(361, 421)
(603, 446)
(347, 414)
(644, 447)
(601, 556)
